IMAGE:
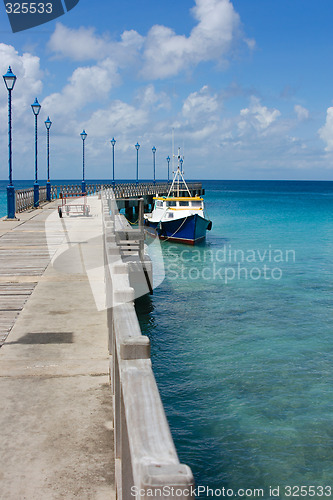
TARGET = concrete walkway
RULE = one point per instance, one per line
(56, 439)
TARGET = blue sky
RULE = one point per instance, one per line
(246, 85)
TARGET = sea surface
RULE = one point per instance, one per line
(241, 332)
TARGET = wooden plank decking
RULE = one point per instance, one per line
(56, 439)
(24, 257)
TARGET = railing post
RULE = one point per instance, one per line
(141, 221)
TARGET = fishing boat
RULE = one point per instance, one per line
(179, 216)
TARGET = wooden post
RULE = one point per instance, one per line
(140, 222)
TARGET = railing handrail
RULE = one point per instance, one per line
(146, 458)
(24, 197)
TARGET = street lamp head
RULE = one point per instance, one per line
(48, 123)
(153, 149)
(113, 141)
(83, 135)
(36, 107)
(168, 158)
(137, 146)
(9, 79)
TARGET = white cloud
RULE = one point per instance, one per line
(302, 113)
(119, 118)
(88, 100)
(166, 53)
(149, 98)
(78, 44)
(326, 132)
(81, 89)
(28, 84)
(83, 44)
(257, 117)
(251, 43)
(128, 121)
(200, 105)
(162, 53)
(218, 23)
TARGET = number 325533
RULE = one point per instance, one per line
(29, 8)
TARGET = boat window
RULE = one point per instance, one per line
(196, 204)
(159, 203)
(171, 203)
(183, 203)
(170, 215)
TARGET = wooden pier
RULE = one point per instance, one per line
(23, 259)
(81, 414)
(56, 414)
(126, 194)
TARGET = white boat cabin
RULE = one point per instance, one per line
(166, 208)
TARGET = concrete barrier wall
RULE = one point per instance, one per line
(147, 465)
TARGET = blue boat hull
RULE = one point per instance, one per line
(189, 230)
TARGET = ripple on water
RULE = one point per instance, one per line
(245, 369)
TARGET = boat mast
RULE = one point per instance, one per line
(179, 161)
(173, 151)
(178, 175)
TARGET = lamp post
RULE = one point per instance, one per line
(154, 153)
(36, 109)
(113, 142)
(137, 147)
(83, 137)
(48, 124)
(10, 79)
(168, 160)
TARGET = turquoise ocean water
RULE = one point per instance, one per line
(242, 353)
(242, 340)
